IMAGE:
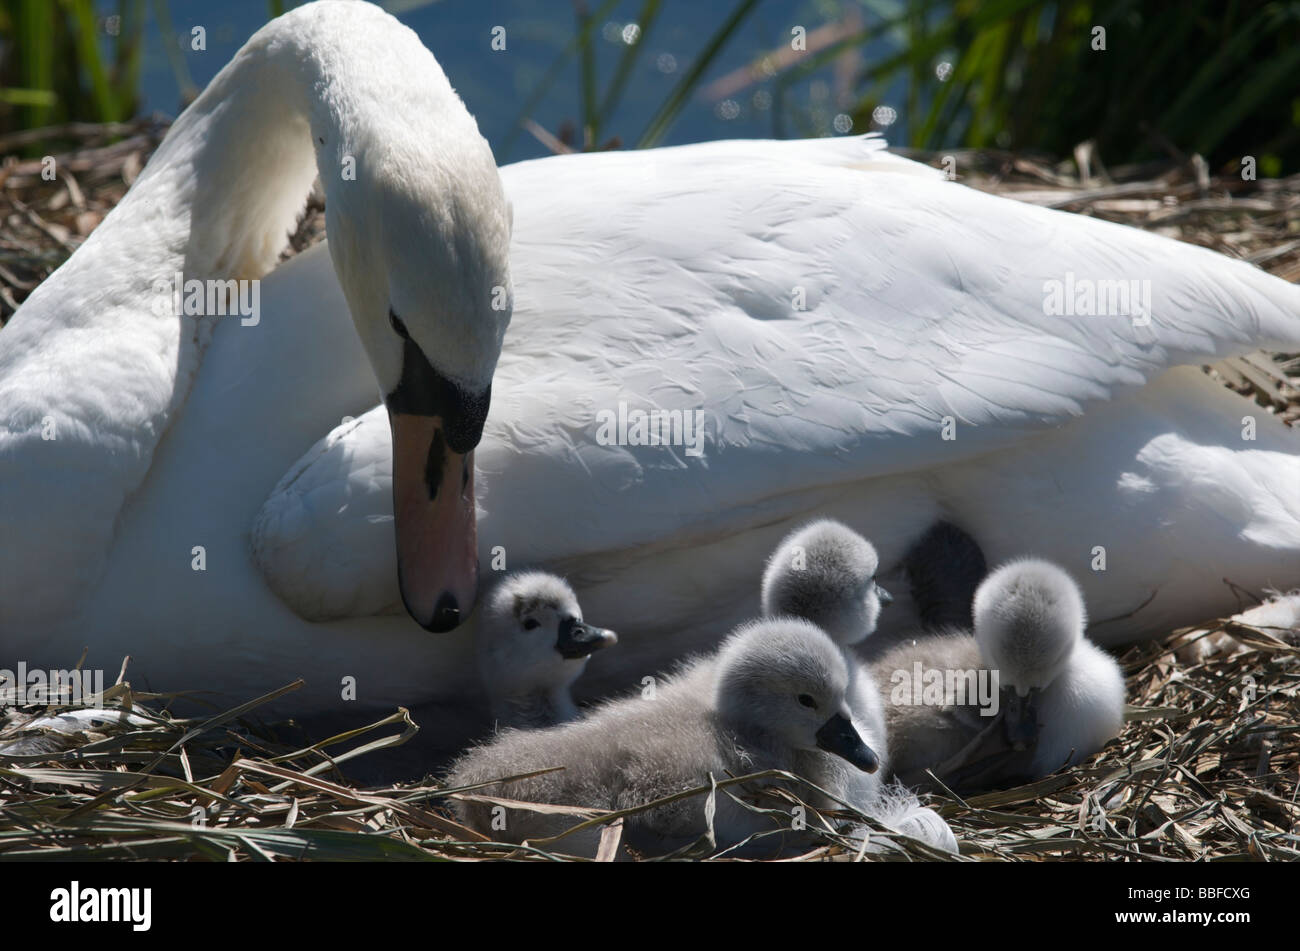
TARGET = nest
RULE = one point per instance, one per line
(1205, 768)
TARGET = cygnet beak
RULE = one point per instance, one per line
(580, 640)
(838, 736)
(885, 597)
(1021, 715)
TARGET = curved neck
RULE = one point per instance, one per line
(226, 186)
(215, 202)
(234, 173)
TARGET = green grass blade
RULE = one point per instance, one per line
(580, 38)
(185, 88)
(128, 45)
(35, 31)
(623, 72)
(676, 101)
(587, 65)
(91, 60)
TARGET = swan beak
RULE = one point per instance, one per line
(838, 736)
(1021, 717)
(581, 640)
(886, 599)
(437, 536)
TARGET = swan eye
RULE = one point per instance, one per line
(807, 701)
(399, 328)
(532, 624)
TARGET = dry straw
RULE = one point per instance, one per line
(1206, 768)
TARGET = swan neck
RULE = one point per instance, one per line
(234, 173)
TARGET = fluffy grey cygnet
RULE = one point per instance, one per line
(775, 690)
(532, 644)
(825, 572)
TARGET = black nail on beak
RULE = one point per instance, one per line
(446, 614)
(838, 736)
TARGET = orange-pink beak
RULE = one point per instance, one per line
(437, 536)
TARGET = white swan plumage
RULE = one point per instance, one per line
(97, 369)
(833, 311)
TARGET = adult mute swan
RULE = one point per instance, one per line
(96, 367)
(856, 337)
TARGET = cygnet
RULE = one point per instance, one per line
(825, 573)
(776, 689)
(1058, 697)
(532, 644)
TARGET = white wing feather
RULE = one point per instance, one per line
(827, 305)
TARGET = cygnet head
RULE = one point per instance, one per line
(783, 678)
(1029, 615)
(826, 573)
(532, 635)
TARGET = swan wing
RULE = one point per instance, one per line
(802, 314)
(831, 320)
(324, 537)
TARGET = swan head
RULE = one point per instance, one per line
(1029, 617)
(419, 234)
(826, 573)
(532, 636)
(784, 679)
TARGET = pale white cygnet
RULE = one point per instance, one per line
(532, 644)
(776, 689)
(1029, 624)
(825, 572)
(1059, 698)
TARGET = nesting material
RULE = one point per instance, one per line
(1205, 768)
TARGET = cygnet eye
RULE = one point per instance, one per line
(532, 624)
(807, 701)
